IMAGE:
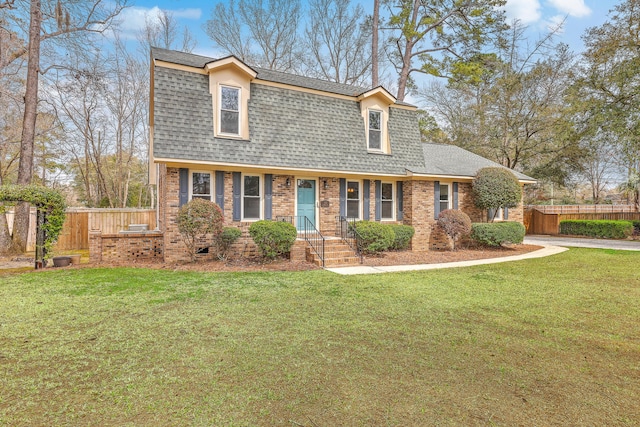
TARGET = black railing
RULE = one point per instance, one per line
(310, 233)
(346, 229)
(314, 238)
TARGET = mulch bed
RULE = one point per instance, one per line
(257, 265)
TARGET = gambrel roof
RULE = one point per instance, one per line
(295, 122)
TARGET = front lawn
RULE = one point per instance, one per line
(552, 341)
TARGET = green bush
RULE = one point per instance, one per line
(497, 233)
(455, 223)
(495, 188)
(597, 228)
(273, 238)
(636, 227)
(376, 237)
(227, 238)
(402, 236)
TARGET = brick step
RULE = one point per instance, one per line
(338, 262)
(336, 253)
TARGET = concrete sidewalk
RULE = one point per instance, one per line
(362, 269)
(583, 242)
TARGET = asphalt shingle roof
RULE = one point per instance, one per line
(292, 128)
(444, 159)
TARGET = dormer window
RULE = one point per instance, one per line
(375, 130)
(229, 110)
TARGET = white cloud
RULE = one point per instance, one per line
(526, 11)
(555, 24)
(575, 8)
(132, 19)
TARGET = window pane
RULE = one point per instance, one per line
(353, 190)
(387, 209)
(374, 139)
(229, 122)
(444, 206)
(444, 192)
(229, 98)
(387, 191)
(353, 208)
(251, 207)
(252, 186)
(201, 183)
(374, 120)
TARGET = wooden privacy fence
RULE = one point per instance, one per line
(78, 222)
(538, 222)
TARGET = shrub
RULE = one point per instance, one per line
(636, 227)
(197, 218)
(495, 188)
(273, 238)
(376, 237)
(497, 233)
(597, 228)
(455, 223)
(402, 236)
(227, 238)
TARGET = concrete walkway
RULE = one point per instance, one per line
(363, 269)
(579, 242)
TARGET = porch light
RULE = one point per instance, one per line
(325, 184)
(288, 183)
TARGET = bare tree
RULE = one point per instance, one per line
(60, 23)
(337, 40)
(375, 31)
(257, 32)
(162, 31)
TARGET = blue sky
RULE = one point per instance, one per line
(537, 14)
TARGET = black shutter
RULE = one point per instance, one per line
(343, 197)
(237, 188)
(220, 189)
(399, 194)
(490, 214)
(455, 195)
(366, 190)
(378, 200)
(183, 184)
(506, 214)
(268, 185)
(436, 199)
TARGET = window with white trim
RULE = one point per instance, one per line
(375, 130)
(445, 197)
(387, 210)
(201, 185)
(353, 199)
(251, 197)
(230, 110)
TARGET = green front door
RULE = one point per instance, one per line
(306, 202)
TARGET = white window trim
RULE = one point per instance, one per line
(261, 197)
(360, 203)
(212, 187)
(239, 89)
(382, 139)
(449, 195)
(393, 202)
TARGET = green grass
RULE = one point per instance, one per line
(538, 342)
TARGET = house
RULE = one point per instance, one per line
(264, 144)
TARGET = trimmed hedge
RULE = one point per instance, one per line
(273, 238)
(402, 236)
(376, 237)
(597, 228)
(497, 233)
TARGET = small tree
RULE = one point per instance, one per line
(455, 224)
(196, 219)
(495, 188)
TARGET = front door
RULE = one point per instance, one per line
(306, 202)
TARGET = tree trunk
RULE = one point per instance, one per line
(374, 44)
(25, 167)
(5, 237)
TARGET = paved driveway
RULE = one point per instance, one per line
(577, 242)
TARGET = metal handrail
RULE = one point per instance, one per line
(349, 234)
(310, 233)
(314, 238)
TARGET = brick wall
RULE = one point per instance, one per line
(129, 247)
(331, 199)
(418, 211)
